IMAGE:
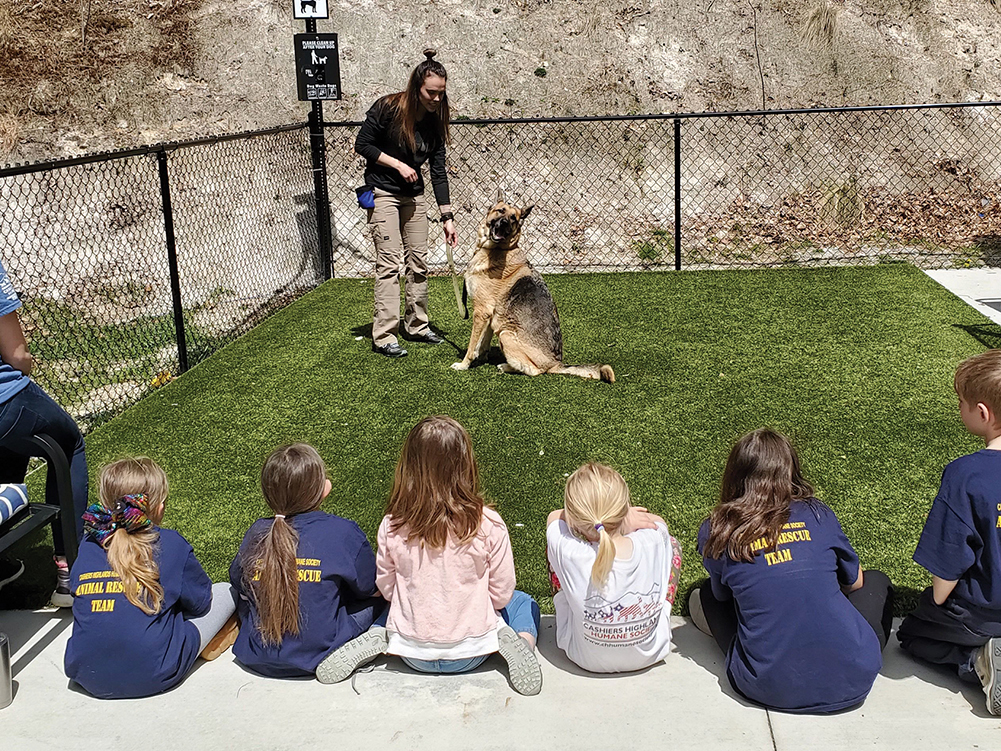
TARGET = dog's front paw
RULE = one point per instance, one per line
(460, 365)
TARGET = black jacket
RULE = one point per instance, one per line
(379, 135)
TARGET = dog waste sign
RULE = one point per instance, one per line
(309, 9)
(318, 72)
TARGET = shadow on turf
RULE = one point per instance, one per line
(494, 356)
(988, 334)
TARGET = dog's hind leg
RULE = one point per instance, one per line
(521, 358)
(592, 372)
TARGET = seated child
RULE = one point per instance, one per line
(445, 565)
(801, 624)
(143, 607)
(305, 578)
(958, 619)
(614, 568)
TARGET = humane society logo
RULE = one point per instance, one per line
(627, 620)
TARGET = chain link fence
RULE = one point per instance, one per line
(85, 242)
(795, 188)
(134, 265)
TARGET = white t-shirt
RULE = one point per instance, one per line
(624, 626)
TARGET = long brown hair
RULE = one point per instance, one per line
(762, 478)
(293, 481)
(436, 484)
(597, 499)
(407, 103)
(131, 555)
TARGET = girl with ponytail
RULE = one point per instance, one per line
(614, 569)
(143, 607)
(305, 578)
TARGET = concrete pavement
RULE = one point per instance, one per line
(684, 702)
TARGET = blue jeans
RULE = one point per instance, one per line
(27, 413)
(521, 614)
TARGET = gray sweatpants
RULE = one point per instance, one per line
(223, 606)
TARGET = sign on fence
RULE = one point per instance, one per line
(310, 9)
(317, 69)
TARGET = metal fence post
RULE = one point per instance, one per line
(677, 194)
(318, 146)
(175, 279)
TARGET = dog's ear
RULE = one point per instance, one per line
(500, 196)
(526, 211)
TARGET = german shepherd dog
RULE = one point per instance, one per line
(511, 300)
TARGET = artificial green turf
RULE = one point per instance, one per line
(854, 363)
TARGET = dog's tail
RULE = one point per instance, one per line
(593, 372)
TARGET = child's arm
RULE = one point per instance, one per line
(847, 588)
(362, 581)
(385, 566)
(500, 566)
(196, 588)
(942, 588)
(639, 518)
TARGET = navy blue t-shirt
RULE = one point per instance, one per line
(801, 646)
(116, 651)
(336, 578)
(961, 539)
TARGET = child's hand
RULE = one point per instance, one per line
(638, 518)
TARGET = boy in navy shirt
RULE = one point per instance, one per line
(958, 619)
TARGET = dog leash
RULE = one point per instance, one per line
(460, 302)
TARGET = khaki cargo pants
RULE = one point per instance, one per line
(399, 228)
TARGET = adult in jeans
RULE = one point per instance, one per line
(401, 132)
(26, 410)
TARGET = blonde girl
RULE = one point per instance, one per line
(305, 578)
(143, 607)
(445, 565)
(614, 569)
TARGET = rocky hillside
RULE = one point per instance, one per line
(86, 75)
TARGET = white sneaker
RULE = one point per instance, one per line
(988, 667)
(522, 665)
(347, 658)
(696, 613)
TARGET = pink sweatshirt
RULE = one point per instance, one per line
(449, 595)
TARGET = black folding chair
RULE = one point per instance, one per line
(39, 514)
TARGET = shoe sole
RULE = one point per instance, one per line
(522, 666)
(59, 600)
(988, 666)
(391, 356)
(12, 577)
(344, 660)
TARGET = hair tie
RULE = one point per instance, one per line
(131, 513)
(279, 516)
(598, 527)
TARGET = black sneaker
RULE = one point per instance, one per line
(429, 338)
(390, 350)
(10, 569)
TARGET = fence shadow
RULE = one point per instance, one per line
(988, 334)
